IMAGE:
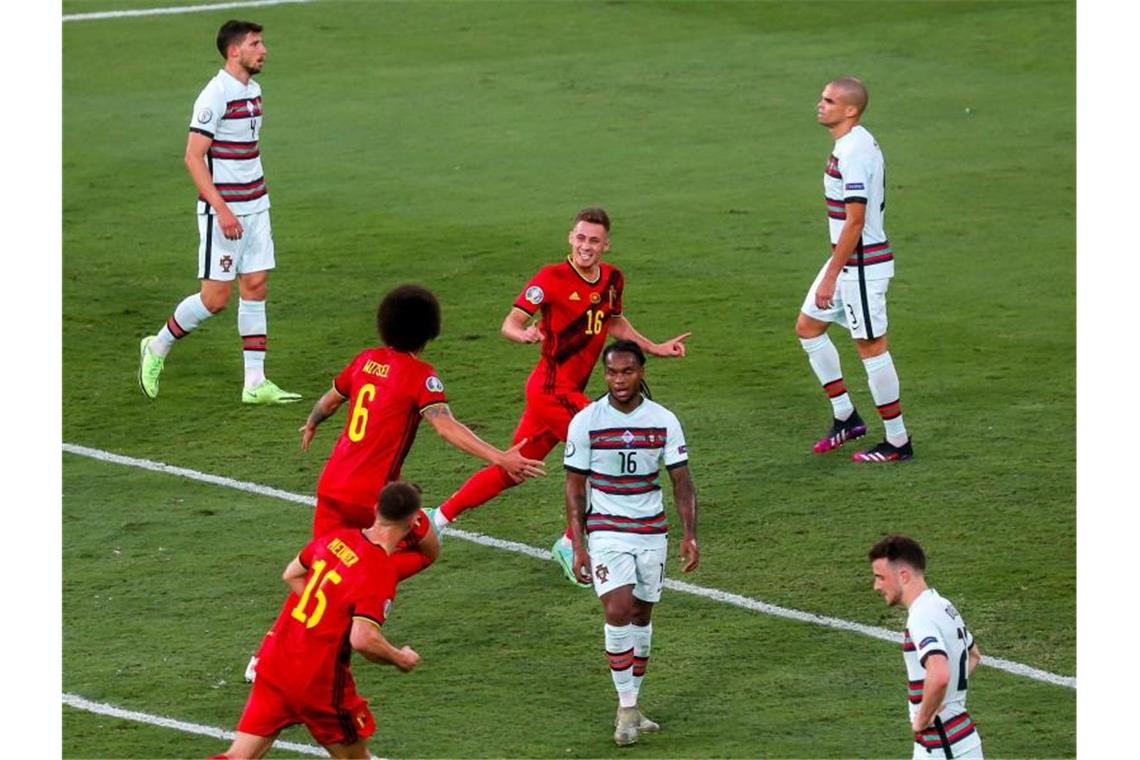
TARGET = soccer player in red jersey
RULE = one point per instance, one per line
(342, 585)
(390, 389)
(576, 303)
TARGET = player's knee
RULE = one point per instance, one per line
(806, 327)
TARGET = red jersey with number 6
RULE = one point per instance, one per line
(307, 652)
(387, 392)
(575, 314)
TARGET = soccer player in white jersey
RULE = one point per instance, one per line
(236, 241)
(940, 653)
(614, 449)
(851, 287)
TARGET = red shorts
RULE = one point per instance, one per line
(268, 710)
(546, 419)
(333, 514)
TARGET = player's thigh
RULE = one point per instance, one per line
(864, 307)
(356, 751)
(250, 746)
(348, 724)
(256, 253)
(334, 514)
(267, 712)
(650, 564)
(832, 314)
(217, 256)
(540, 439)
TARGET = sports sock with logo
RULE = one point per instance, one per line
(884, 383)
(619, 653)
(187, 315)
(824, 360)
(252, 328)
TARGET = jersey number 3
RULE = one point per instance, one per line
(314, 590)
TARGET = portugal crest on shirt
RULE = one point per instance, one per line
(534, 294)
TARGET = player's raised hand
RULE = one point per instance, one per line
(519, 467)
(690, 554)
(674, 347)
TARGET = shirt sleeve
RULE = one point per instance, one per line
(576, 458)
(208, 110)
(927, 638)
(533, 294)
(857, 171)
(379, 594)
(306, 555)
(676, 452)
(430, 391)
(342, 383)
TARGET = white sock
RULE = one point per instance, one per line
(824, 360)
(619, 653)
(884, 383)
(440, 519)
(188, 314)
(642, 641)
(252, 328)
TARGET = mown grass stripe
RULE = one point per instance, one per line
(717, 595)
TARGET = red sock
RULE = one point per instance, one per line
(481, 487)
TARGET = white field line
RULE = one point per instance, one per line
(79, 703)
(736, 600)
(178, 9)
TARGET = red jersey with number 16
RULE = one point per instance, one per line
(387, 392)
(307, 652)
(575, 314)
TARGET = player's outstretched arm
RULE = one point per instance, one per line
(576, 519)
(622, 329)
(366, 638)
(515, 328)
(685, 497)
(325, 407)
(460, 436)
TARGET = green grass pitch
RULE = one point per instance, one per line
(450, 143)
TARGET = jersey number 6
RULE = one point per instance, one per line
(359, 419)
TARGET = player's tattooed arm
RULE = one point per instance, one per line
(437, 410)
(325, 407)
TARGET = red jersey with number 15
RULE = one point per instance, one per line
(307, 652)
(387, 392)
(575, 315)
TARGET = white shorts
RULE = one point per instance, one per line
(616, 565)
(222, 259)
(861, 308)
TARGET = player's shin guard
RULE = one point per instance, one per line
(883, 381)
(188, 314)
(619, 653)
(824, 360)
(481, 487)
(642, 641)
(252, 326)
